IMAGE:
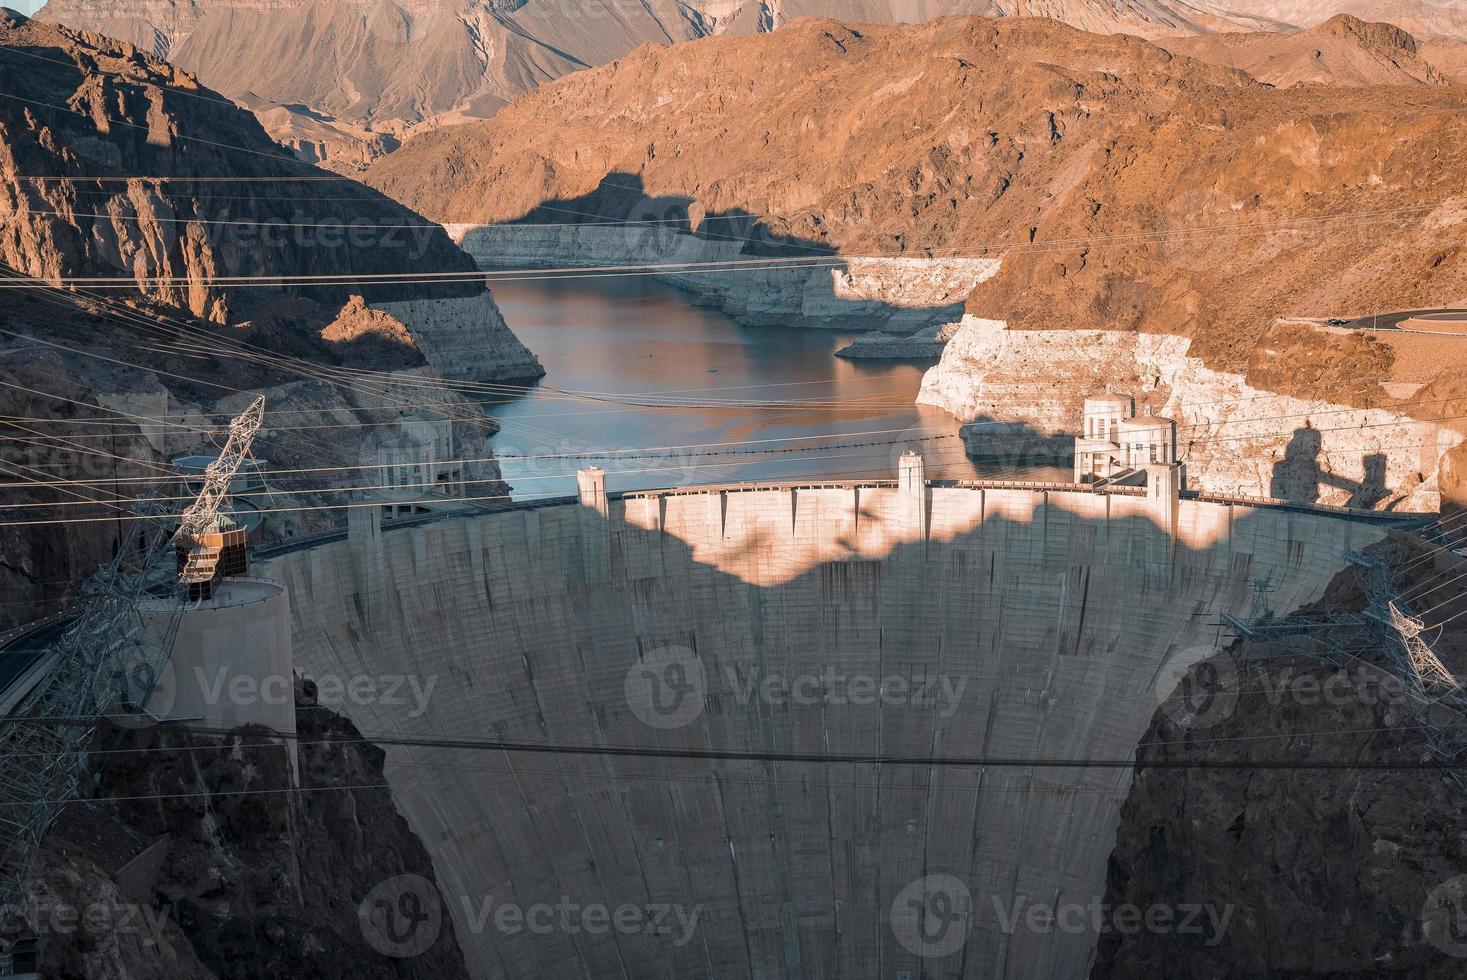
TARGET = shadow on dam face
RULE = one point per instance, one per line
(1020, 628)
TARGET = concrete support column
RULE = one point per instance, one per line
(1163, 500)
(591, 487)
(364, 541)
(912, 485)
(1164, 494)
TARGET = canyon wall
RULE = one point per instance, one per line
(465, 338)
(810, 289)
(1052, 620)
(110, 170)
(1026, 387)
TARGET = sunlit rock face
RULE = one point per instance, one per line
(892, 620)
(1235, 438)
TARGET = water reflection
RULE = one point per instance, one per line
(632, 364)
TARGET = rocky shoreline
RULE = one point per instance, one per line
(820, 291)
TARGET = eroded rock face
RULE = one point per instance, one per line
(1235, 437)
(109, 167)
(340, 81)
(225, 873)
(1342, 51)
(774, 285)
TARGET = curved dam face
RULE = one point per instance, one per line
(1019, 627)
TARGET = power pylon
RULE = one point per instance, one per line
(43, 742)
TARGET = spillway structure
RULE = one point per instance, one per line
(836, 645)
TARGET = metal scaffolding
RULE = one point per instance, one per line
(107, 661)
(1387, 625)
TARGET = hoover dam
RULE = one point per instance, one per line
(809, 637)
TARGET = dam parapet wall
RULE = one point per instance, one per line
(1049, 622)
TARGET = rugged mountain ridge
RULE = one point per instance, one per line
(118, 165)
(112, 165)
(1342, 51)
(345, 80)
(1123, 187)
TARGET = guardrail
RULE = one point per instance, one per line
(1354, 513)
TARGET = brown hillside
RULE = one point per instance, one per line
(1342, 51)
(1126, 187)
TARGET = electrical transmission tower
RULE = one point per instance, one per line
(109, 657)
(1431, 675)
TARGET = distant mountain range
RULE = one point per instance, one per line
(1125, 187)
(344, 81)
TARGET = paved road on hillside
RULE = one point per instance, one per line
(1389, 321)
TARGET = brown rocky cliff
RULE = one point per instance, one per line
(110, 162)
(252, 881)
(1342, 51)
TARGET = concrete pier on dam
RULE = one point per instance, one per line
(1038, 624)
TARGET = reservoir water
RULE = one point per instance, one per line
(660, 392)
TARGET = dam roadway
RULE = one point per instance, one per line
(1050, 617)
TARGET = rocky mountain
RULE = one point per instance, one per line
(1122, 189)
(1342, 51)
(1122, 186)
(212, 868)
(120, 166)
(1304, 804)
(342, 81)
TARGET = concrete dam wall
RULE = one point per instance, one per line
(898, 619)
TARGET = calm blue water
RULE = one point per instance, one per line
(611, 346)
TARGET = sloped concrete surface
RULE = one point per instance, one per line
(1050, 616)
